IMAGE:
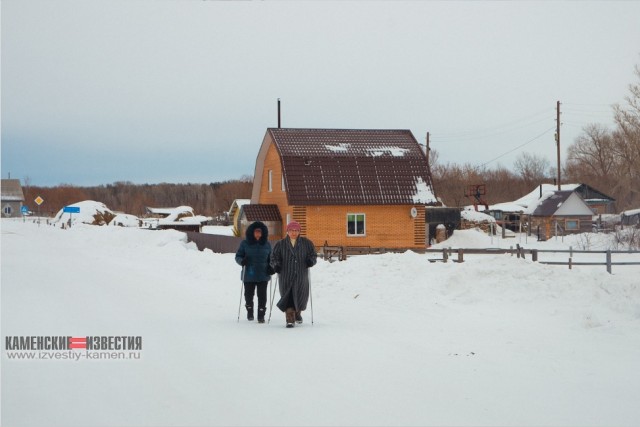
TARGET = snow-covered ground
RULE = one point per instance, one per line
(396, 340)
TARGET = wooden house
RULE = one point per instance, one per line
(559, 213)
(346, 187)
(12, 198)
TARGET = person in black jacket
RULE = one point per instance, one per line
(292, 258)
(254, 256)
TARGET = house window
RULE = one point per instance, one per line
(282, 183)
(270, 180)
(7, 210)
(571, 224)
(355, 224)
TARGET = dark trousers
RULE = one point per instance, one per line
(250, 290)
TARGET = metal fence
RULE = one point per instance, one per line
(215, 242)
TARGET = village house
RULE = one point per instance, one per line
(346, 187)
(12, 198)
(557, 213)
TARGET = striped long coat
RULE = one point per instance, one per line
(294, 272)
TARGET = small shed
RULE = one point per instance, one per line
(268, 214)
(12, 198)
(234, 215)
(630, 217)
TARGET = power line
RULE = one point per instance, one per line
(518, 147)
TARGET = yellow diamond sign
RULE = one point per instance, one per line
(39, 200)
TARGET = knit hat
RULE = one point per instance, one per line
(293, 225)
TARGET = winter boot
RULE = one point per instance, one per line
(249, 312)
(298, 317)
(291, 317)
(261, 311)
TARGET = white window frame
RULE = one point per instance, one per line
(282, 182)
(569, 221)
(364, 224)
(270, 180)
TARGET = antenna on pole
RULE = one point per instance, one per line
(558, 139)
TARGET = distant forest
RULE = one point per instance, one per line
(206, 199)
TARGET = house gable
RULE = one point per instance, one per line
(573, 206)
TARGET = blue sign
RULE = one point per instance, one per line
(24, 209)
(71, 209)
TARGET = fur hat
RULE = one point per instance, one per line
(293, 225)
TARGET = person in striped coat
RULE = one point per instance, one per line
(291, 259)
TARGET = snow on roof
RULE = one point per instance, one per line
(236, 204)
(506, 207)
(472, 215)
(423, 192)
(392, 151)
(631, 212)
(547, 191)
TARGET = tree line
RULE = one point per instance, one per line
(212, 199)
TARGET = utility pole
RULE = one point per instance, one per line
(558, 139)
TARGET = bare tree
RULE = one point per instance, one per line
(533, 169)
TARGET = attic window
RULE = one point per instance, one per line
(307, 161)
(270, 180)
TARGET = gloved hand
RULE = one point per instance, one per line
(244, 261)
(309, 263)
(270, 270)
(277, 269)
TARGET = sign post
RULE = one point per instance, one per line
(71, 210)
(39, 200)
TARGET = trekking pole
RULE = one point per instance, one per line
(272, 298)
(241, 286)
(310, 296)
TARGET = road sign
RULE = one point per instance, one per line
(24, 209)
(71, 209)
(39, 200)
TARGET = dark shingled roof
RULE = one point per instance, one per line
(550, 205)
(353, 167)
(262, 213)
(12, 190)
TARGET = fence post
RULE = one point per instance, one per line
(517, 250)
(460, 255)
(570, 263)
(609, 261)
(571, 251)
(445, 255)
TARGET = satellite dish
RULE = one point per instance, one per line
(413, 212)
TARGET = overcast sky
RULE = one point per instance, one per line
(149, 91)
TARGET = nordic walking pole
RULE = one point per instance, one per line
(272, 298)
(311, 296)
(241, 286)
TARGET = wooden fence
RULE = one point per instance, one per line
(520, 252)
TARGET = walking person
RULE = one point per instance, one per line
(254, 256)
(292, 257)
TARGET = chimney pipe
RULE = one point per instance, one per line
(278, 113)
